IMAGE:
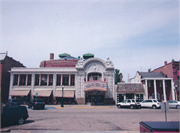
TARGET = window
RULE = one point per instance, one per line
(155, 101)
(22, 79)
(72, 80)
(15, 82)
(29, 80)
(36, 79)
(128, 101)
(95, 78)
(44, 79)
(149, 101)
(58, 81)
(66, 80)
(50, 80)
(124, 101)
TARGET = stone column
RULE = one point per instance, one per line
(172, 89)
(54, 84)
(32, 85)
(39, 79)
(164, 90)
(26, 79)
(47, 79)
(155, 91)
(18, 79)
(146, 89)
(61, 79)
(11, 83)
(69, 79)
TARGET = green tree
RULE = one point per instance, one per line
(117, 76)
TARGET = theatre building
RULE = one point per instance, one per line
(79, 80)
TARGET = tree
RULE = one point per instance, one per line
(117, 76)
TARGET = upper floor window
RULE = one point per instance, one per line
(15, 82)
(22, 79)
(72, 80)
(36, 79)
(50, 79)
(43, 79)
(29, 80)
(58, 81)
(65, 79)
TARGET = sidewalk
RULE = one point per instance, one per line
(79, 106)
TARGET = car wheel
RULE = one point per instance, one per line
(178, 107)
(21, 120)
(119, 106)
(131, 107)
(154, 106)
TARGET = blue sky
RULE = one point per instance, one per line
(135, 34)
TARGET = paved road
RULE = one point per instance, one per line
(79, 118)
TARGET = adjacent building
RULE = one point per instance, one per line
(156, 85)
(172, 71)
(6, 64)
(79, 80)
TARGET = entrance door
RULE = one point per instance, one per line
(95, 97)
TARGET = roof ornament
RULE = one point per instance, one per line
(109, 62)
(80, 62)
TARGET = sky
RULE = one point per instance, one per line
(136, 35)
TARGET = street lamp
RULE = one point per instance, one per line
(62, 97)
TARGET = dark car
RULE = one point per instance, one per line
(13, 115)
(36, 104)
(13, 102)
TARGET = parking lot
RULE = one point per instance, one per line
(91, 118)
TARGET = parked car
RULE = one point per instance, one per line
(13, 102)
(13, 115)
(174, 104)
(151, 103)
(36, 104)
(130, 103)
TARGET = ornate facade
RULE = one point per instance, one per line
(89, 81)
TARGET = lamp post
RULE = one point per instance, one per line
(62, 97)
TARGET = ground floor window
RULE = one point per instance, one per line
(129, 96)
(65, 100)
(120, 98)
(139, 97)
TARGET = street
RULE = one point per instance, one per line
(103, 118)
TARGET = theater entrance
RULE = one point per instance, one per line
(95, 97)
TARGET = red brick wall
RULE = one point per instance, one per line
(59, 63)
(171, 70)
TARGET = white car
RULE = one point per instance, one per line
(174, 104)
(131, 103)
(151, 103)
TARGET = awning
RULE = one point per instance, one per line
(67, 94)
(42, 93)
(95, 89)
(19, 93)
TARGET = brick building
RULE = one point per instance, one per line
(172, 71)
(6, 64)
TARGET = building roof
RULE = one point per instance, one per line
(130, 87)
(2, 56)
(63, 55)
(152, 75)
(69, 57)
(88, 54)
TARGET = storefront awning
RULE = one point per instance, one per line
(19, 93)
(67, 94)
(42, 93)
(95, 89)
